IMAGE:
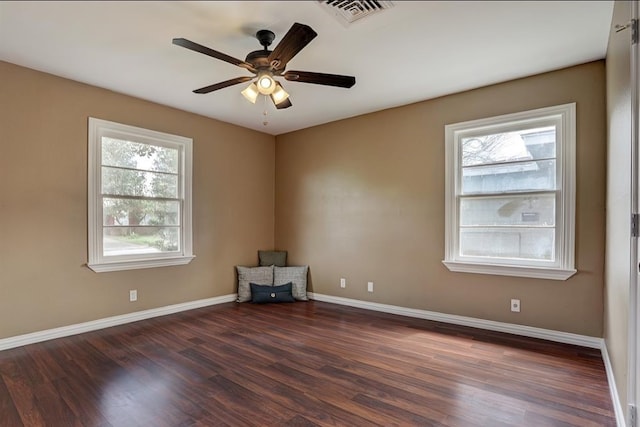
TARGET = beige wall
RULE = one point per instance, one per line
(43, 204)
(360, 198)
(618, 267)
(363, 199)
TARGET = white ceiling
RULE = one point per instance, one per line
(414, 51)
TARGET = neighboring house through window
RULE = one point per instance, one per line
(139, 197)
(510, 194)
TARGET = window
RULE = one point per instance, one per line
(139, 198)
(510, 194)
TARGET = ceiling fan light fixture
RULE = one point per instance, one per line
(251, 93)
(279, 94)
(266, 84)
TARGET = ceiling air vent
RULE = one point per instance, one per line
(348, 11)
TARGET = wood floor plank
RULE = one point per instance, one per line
(29, 412)
(8, 413)
(295, 399)
(52, 407)
(235, 398)
(84, 406)
(309, 364)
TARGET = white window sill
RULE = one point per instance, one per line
(510, 270)
(140, 263)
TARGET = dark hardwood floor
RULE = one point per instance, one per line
(301, 364)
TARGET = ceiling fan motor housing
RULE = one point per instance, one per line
(258, 58)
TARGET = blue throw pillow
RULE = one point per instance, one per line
(261, 294)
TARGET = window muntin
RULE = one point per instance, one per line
(510, 193)
(140, 197)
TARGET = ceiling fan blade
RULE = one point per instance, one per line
(298, 36)
(222, 85)
(320, 78)
(213, 53)
(284, 104)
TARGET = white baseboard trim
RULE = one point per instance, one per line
(65, 331)
(510, 328)
(615, 398)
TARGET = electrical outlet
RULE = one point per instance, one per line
(343, 283)
(515, 305)
(133, 295)
(370, 286)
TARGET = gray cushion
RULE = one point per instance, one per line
(277, 258)
(295, 275)
(247, 275)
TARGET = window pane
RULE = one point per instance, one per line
(529, 144)
(131, 212)
(140, 240)
(126, 182)
(536, 175)
(128, 154)
(526, 210)
(525, 243)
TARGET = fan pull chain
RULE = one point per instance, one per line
(265, 121)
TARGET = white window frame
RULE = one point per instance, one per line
(563, 266)
(98, 262)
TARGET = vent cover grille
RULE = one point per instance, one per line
(348, 11)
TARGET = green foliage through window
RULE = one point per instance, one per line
(141, 208)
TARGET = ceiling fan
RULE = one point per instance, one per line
(267, 64)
